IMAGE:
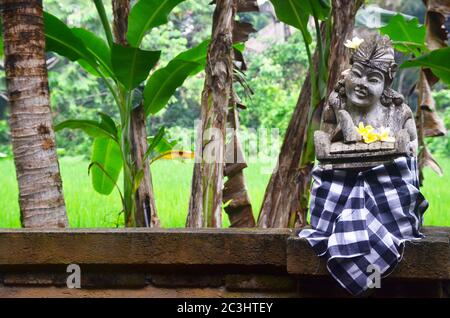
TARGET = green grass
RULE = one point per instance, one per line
(436, 190)
(172, 181)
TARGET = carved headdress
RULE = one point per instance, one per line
(376, 52)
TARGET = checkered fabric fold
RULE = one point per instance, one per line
(364, 218)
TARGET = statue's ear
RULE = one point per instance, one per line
(392, 69)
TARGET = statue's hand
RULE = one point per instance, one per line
(413, 146)
(348, 127)
(321, 143)
(404, 144)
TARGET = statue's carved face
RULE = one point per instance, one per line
(364, 86)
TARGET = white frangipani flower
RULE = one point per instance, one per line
(354, 43)
(345, 72)
(384, 135)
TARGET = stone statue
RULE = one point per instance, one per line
(366, 123)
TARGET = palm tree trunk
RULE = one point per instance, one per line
(146, 215)
(41, 197)
(285, 200)
(205, 206)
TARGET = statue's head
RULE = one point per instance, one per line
(368, 81)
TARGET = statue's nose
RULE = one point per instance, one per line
(361, 85)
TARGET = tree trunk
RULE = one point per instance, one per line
(289, 184)
(205, 206)
(146, 215)
(41, 197)
(428, 122)
(121, 10)
(235, 195)
(282, 197)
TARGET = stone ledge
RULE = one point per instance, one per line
(182, 247)
(186, 280)
(280, 283)
(95, 280)
(428, 258)
(270, 251)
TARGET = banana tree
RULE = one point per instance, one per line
(144, 196)
(226, 64)
(124, 70)
(286, 198)
(297, 14)
(235, 197)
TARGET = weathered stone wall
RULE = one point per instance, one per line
(199, 263)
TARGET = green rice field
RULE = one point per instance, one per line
(172, 181)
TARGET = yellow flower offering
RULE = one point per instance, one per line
(369, 136)
(364, 130)
(367, 133)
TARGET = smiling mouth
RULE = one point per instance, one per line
(360, 93)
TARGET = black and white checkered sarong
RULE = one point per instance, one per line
(362, 219)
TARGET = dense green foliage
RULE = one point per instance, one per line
(274, 75)
(408, 36)
(124, 69)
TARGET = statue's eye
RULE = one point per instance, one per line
(356, 73)
(375, 77)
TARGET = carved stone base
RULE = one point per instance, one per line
(339, 155)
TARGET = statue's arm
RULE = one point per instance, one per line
(332, 119)
(322, 137)
(329, 121)
(349, 132)
(410, 127)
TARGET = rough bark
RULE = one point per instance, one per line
(436, 38)
(120, 9)
(41, 197)
(235, 195)
(205, 206)
(429, 124)
(289, 184)
(146, 215)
